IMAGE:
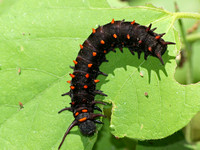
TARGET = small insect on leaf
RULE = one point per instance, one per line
(21, 106)
(141, 74)
(19, 71)
(146, 94)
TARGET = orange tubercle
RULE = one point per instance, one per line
(89, 65)
(87, 75)
(140, 41)
(73, 76)
(104, 51)
(115, 36)
(72, 87)
(85, 86)
(128, 36)
(149, 48)
(77, 113)
(93, 30)
(96, 81)
(133, 22)
(81, 46)
(69, 81)
(75, 62)
(82, 119)
(94, 54)
(84, 110)
(113, 21)
(157, 37)
(102, 42)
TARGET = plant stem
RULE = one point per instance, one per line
(179, 15)
(189, 78)
(188, 51)
(193, 37)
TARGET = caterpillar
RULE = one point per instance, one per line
(116, 34)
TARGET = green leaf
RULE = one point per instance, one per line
(106, 140)
(41, 38)
(175, 141)
(169, 105)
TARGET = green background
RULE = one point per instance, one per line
(41, 38)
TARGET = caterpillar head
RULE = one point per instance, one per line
(87, 127)
(86, 122)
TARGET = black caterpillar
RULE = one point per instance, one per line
(116, 34)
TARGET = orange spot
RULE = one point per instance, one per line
(89, 65)
(87, 75)
(73, 76)
(96, 81)
(75, 62)
(73, 103)
(94, 54)
(85, 87)
(115, 36)
(72, 87)
(122, 43)
(82, 119)
(104, 51)
(157, 37)
(81, 46)
(69, 81)
(84, 110)
(113, 21)
(102, 42)
(140, 41)
(93, 30)
(149, 48)
(128, 36)
(133, 22)
(77, 113)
